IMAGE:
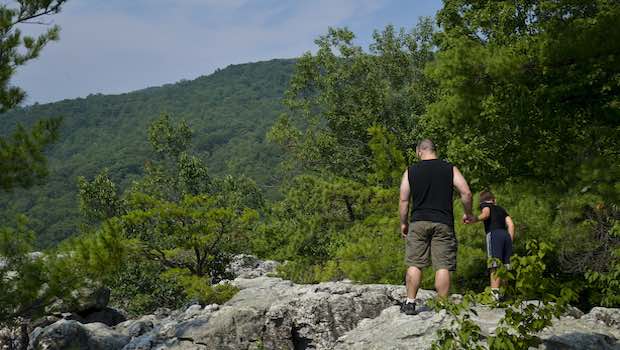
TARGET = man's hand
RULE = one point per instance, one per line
(469, 219)
(404, 230)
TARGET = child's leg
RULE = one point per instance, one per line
(494, 251)
(507, 253)
(495, 281)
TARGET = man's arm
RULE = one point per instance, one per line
(461, 185)
(511, 227)
(403, 205)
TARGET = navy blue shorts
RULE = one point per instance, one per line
(499, 245)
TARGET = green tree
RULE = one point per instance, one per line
(527, 89)
(22, 162)
(178, 217)
(29, 283)
(338, 94)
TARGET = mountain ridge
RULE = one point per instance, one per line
(229, 112)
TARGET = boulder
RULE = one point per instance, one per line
(248, 266)
(108, 316)
(609, 317)
(70, 334)
(83, 301)
(394, 330)
(136, 328)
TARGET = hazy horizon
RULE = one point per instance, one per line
(117, 47)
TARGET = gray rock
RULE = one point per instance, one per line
(211, 308)
(69, 316)
(321, 314)
(69, 334)
(44, 321)
(144, 342)
(571, 333)
(581, 341)
(248, 266)
(271, 313)
(394, 330)
(83, 300)
(608, 316)
(180, 344)
(142, 322)
(192, 311)
(108, 316)
(139, 328)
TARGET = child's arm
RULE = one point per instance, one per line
(486, 212)
(511, 227)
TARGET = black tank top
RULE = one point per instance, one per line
(431, 186)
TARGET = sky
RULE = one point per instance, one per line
(117, 46)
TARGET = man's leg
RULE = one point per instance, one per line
(442, 282)
(443, 253)
(414, 278)
(417, 257)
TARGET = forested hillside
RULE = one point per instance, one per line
(229, 112)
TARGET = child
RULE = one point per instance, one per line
(500, 231)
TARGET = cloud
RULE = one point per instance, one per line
(117, 46)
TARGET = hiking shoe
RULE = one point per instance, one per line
(497, 296)
(408, 308)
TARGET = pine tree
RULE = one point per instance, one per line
(22, 162)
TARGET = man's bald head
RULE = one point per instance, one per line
(425, 145)
(425, 149)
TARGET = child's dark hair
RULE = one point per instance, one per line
(486, 196)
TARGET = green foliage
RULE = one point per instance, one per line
(388, 161)
(524, 318)
(30, 283)
(168, 231)
(229, 112)
(176, 217)
(18, 49)
(97, 254)
(463, 333)
(199, 288)
(338, 94)
(139, 288)
(527, 88)
(317, 228)
(372, 252)
(22, 163)
(608, 282)
(99, 199)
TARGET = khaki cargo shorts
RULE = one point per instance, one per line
(428, 241)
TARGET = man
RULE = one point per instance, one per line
(430, 236)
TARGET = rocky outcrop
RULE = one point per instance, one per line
(249, 266)
(271, 313)
(87, 305)
(393, 330)
(70, 334)
(82, 307)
